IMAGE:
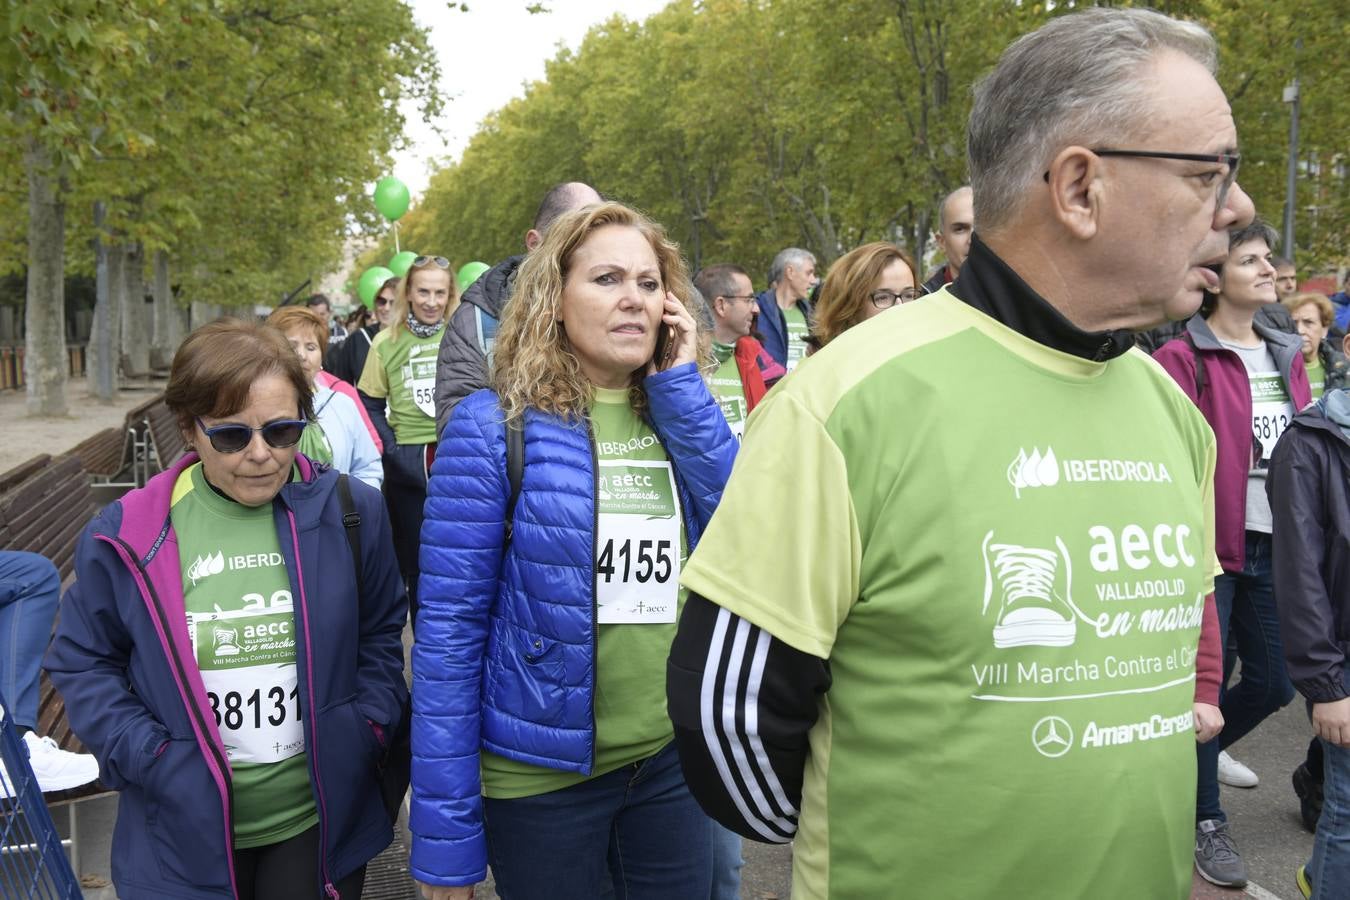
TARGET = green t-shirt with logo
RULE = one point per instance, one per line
(640, 550)
(401, 368)
(238, 600)
(1317, 377)
(1008, 580)
(728, 388)
(797, 330)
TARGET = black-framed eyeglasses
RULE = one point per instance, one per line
(440, 261)
(1231, 160)
(233, 438)
(886, 298)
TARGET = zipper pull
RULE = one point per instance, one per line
(331, 891)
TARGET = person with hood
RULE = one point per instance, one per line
(1309, 490)
(466, 348)
(236, 680)
(1248, 380)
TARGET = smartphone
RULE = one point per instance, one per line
(665, 347)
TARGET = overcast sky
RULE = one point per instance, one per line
(487, 55)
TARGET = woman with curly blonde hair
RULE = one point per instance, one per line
(863, 283)
(541, 735)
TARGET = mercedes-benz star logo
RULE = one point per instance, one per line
(1052, 737)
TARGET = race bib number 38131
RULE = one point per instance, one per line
(247, 661)
(637, 565)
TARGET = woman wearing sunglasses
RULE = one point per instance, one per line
(336, 435)
(232, 666)
(348, 359)
(543, 744)
(863, 283)
(398, 386)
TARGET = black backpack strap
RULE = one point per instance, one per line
(515, 469)
(351, 523)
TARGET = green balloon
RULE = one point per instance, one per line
(469, 273)
(400, 263)
(391, 198)
(371, 281)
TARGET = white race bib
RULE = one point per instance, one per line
(1272, 410)
(254, 697)
(637, 567)
(420, 377)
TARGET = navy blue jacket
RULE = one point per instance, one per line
(772, 324)
(505, 652)
(122, 659)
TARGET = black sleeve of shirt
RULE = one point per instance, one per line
(742, 703)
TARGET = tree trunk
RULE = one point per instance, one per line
(45, 364)
(101, 365)
(135, 316)
(166, 332)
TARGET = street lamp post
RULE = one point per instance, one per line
(1291, 178)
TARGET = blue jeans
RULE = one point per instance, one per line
(29, 590)
(638, 826)
(1245, 602)
(1329, 868)
(726, 864)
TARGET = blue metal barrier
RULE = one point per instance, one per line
(33, 863)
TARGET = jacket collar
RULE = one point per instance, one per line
(145, 512)
(991, 286)
(490, 292)
(1282, 344)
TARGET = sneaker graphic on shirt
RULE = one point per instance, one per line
(53, 768)
(226, 641)
(1032, 584)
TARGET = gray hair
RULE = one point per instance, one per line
(1073, 80)
(792, 256)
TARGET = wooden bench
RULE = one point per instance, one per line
(45, 504)
(105, 455)
(165, 436)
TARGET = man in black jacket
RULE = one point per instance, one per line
(466, 347)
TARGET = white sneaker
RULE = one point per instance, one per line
(54, 768)
(1234, 773)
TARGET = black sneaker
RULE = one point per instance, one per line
(1216, 856)
(1309, 790)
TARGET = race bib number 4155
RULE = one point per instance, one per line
(637, 565)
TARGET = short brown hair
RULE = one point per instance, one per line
(1295, 302)
(849, 285)
(289, 317)
(216, 366)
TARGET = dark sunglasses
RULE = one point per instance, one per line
(440, 261)
(233, 438)
(383, 301)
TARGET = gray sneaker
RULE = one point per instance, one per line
(1216, 856)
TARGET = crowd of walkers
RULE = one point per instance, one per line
(881, 565)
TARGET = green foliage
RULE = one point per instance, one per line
(746, 126)
(239, 137)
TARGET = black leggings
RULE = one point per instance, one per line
(405, 493)
(289, 870)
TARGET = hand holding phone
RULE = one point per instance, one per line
(676, 339)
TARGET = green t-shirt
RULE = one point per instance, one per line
(1317, 377)
(238, 599)
(1007, 573)
(640, 547)
(403, 370)
(797, 330)
(728, 388)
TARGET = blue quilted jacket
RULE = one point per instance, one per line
(504, 658)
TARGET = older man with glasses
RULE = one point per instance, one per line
(985, 603)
